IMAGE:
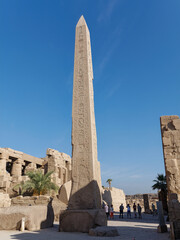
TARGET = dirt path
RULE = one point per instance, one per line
(130, 229)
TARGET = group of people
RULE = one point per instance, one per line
(110, 211)
(136, 209)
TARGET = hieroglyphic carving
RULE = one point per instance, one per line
(84, 152)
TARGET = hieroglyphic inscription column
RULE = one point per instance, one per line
(85, 167)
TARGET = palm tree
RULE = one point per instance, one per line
(161, 186)
(38, 183)
(160, 183)
(109, 182)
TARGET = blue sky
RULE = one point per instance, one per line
(136, 62)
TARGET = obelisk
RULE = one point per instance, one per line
(84, 208)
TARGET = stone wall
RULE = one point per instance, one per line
(57, 204)
(138, 198)
(36, 217)
(170, 131)
(114, 196)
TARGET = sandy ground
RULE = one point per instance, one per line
(129, 229)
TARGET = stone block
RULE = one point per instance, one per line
(58, 207)
(82, 220)
(64, 192)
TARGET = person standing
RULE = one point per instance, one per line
(106, 210)
(128, 211)
(153, 209)
(111, 212)
(139, 211)
(134, 208)
(121, 209)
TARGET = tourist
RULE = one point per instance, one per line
(139, 211)
(111, 212)
(106, 210)
(153, 209)
(128, 211)
(134, 208)
(121, 208)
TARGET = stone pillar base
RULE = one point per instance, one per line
(81, 220)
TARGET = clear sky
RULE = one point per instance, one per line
(136, 61)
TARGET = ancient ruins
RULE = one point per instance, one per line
(15, 164)
(80, 192)
(85, 199)
(170, 131)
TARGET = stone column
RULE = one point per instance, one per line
(3, 160)
(146, 203)
(17, 168)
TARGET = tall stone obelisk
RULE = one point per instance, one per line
(84, 208)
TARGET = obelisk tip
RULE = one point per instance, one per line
(81, 22)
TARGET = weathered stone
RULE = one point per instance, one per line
(166, 141)
(58, 207)
(10, 221)
(60, 164)
(36, 217)
(14, 165)
(114, 196)
(81, 220)
(176, 123)
(171, 148)
(5, 201)
(23, 201)
(146, 203)
(104, 231)
(170, 131)
(85, 199)
(84, 142)
(64, 192)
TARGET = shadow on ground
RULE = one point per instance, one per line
(138, 229)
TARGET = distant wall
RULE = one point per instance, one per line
(114, 196)
(138, 198)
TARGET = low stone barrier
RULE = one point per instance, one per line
(36, 217)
